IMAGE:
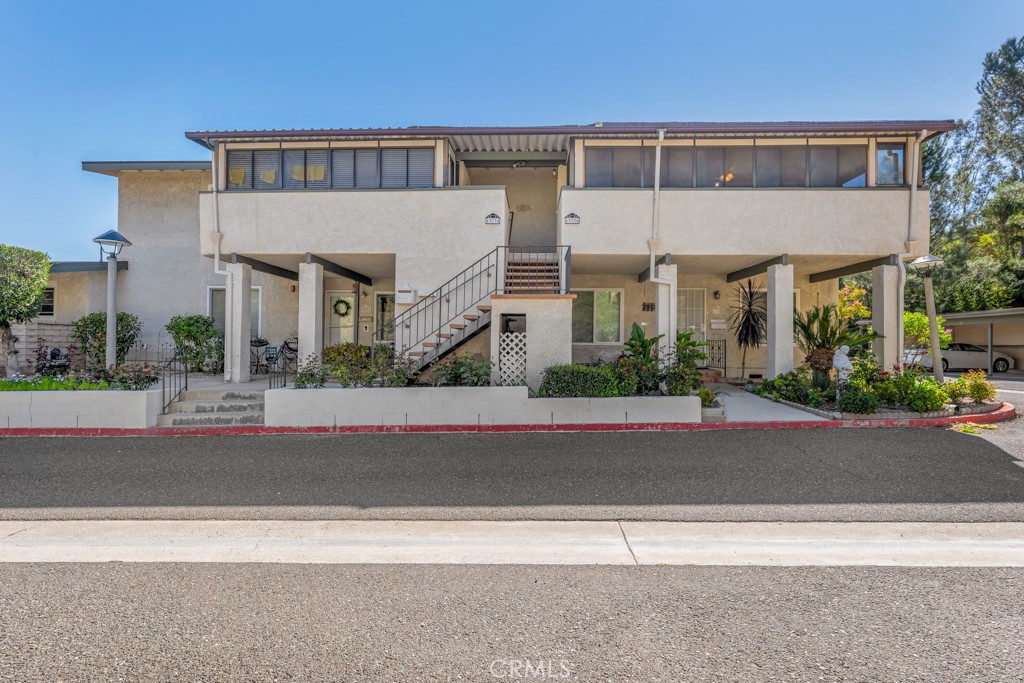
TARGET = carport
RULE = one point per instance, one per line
(1002, 328)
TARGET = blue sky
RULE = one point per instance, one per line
(123, 81)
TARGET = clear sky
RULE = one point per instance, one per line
(123, 81)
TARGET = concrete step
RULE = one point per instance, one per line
(218, 406)
(222, 394)
(209, 420)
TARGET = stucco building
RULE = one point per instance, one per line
(572, 231)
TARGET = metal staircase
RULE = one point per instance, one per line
(460, 309)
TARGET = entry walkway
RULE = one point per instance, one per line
(743, 406)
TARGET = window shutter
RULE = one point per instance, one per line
(343, 170)
(239, 169)
(421, 167)
(294, 169)
(267, 173)
(366, 168)
(316, 169)
(393, 167)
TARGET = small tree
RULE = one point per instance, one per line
(917, 333)
(90, 331)
(749, 319)
(23, 276)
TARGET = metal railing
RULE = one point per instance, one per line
(173, 381)
(505, 270)
(715, 351)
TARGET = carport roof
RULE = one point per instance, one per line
(1001, 315)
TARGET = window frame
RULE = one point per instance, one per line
(881, 146)
(259, 305)
(593, 321)
(281, 181)
(49, 297)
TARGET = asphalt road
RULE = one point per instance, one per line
(442, 623)
(810, 474)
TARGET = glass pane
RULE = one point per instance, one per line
(254, 312)
(343, 171)
(366, 168)
(393, 168)
(890, 163)
(769, 166)
(217, 309)
(793, 172)
(583, 318)
(239, 169)
(385, 315)
(739, 166)
(677, 166)
(650, 155)
(295, 169)
(853, 165)
(421, 167)
(824, 166)
(316, 169)
(599, 167)
(626, 167)
(606, 316)
(710, 166)
(267, 172)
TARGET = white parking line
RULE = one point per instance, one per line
(453, 542)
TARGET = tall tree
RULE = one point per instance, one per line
(23, 276)
(1001, 107)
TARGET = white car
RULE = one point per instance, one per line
(961, 356)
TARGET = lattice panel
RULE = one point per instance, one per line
(512, 358)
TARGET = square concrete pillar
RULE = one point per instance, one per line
(886, 315)
(237, 333)
(548, 331)
(667, 308)
(780, 320)
(311, 310)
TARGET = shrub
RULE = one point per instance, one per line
(977, 386)
(682, 376)
(311, 374)
(90, 331)
(793, 386)
(389, 370)
(349, 363)
(195, 340)
(128, 377)
(625, 372)
(956, 390)
(461, 371)
(855, 400)
(887, 391)
(639, 348)
(69, 383)
(707, 397)
(926, 396)
(580, 381)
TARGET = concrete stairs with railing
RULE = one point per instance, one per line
(214, 408)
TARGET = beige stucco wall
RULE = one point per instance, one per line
(548, 331)
(434, 233)
(532, 197)
(745, 222)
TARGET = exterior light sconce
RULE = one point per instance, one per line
(492, 219)
(717, 295)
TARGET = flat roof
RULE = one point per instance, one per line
(114, 167)
(610, 129)
(984, 317)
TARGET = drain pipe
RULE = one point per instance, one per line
(217, 268)
(901, 288)
(654, 243)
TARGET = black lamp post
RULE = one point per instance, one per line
(111, 242)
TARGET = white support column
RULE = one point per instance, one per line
(311, 310)
(666, 306)
(886, 314)
(780, 320)
(237, 326)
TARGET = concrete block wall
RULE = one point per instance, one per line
(465, 406)
(79, 409)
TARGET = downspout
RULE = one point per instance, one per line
(655, 242)
(216, 215)
(901, 288)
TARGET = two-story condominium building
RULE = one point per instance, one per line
(437, 239)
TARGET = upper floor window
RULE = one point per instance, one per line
(321, 169)
(48, 301)
(725, 166)
(838, 166)
(634, 166)
(890, 163)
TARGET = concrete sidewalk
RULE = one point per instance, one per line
(559, 543)
(743, 406)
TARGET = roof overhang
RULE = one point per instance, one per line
(555, 138)
(112, 168)
(1002, 315)
(83, 266)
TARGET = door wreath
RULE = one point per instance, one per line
(342, 308)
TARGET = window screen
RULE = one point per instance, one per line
(316, 169)
(677, 166)
(394, 168)
(782, 166)
(343, 169)
(267, 167)
(239, 169)
(421, 167)
(366, 168)
(294, 169)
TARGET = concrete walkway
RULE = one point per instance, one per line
(743, 406)
(216, 382)
(559, 543)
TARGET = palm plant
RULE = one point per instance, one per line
(821, 330)
(749, 319)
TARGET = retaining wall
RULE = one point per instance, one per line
(80, 409)
(465, 406)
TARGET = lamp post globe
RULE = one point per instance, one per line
(925, 265)
(111, 243)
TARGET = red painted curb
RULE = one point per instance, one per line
(1006, 411)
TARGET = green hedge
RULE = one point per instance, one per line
(579, 381)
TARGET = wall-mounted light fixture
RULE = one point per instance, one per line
(717, 295)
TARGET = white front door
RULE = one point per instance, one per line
(340, 316)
